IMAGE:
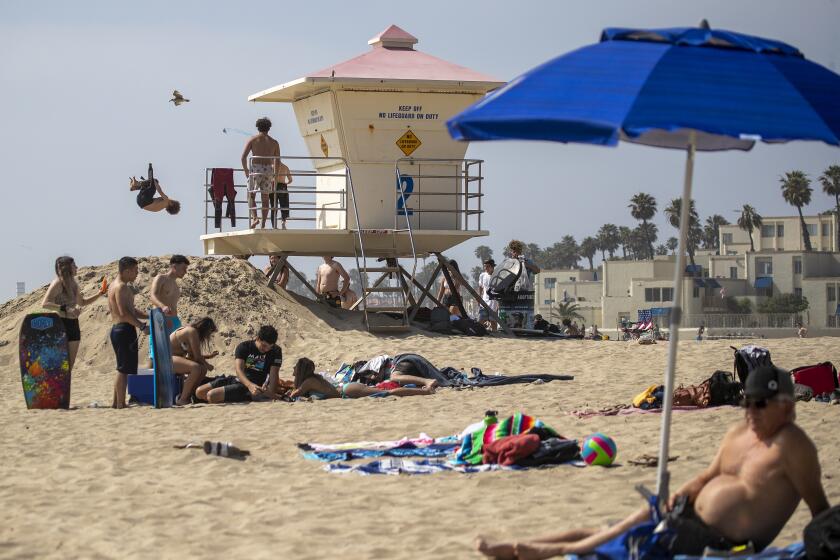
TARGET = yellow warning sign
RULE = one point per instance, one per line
(408, 142)
(324, 147)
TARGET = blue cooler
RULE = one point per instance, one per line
(141, 387)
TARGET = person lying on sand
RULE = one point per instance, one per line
(258, 364)
(147, 200)
(765, 465)
(188, 358)
(308, 382)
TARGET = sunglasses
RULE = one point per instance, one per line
(757, 403)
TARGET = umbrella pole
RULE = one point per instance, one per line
(662, 474)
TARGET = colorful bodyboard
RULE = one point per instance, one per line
(44, 361)
(165, 390)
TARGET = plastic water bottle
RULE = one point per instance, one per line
(224, 449)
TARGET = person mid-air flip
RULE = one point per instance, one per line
(147, 200)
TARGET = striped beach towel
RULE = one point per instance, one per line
(472, 446)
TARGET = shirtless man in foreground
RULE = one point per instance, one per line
(764, 467)
(263, 171)
(165, 291)
(123, 333)
(326, 282)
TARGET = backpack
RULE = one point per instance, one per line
(439, 320)
(821, 378)
(504, 278)
(748, 358)
(724, 390)
(693, 395)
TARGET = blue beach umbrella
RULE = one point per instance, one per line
(683, 88)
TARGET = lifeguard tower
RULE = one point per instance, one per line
(383, 179)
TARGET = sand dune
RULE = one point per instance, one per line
(99, 483)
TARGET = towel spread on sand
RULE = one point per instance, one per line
(407, 449)
(425, 466)
(626, 410)
(795, 551)
(422, 439)
(472, 446)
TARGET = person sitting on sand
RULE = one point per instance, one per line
(257, 369)
(765, 465)
(326, 282)
(147, 200)
(801, 330)
(594, 333)
(540, 324)
(188, 358)
(308, 382)
(283, 278)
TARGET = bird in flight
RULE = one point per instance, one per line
(177, 98)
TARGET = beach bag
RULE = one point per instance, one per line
(439, 320)
(469, 327)
(748, 358)
(552, 451)
(504, 278)
(693, 395)
(724, 390)
(821, 378)
(822, 535)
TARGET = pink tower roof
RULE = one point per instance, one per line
(392, 60)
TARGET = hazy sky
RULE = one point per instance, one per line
(84, 89)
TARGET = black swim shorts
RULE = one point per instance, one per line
(71, 327)
(693, 535)
(146, 195)
(235, 391)
(124, 341)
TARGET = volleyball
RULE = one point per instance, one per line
(599, 449)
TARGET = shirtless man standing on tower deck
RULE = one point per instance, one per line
(765, 465)
(263, 172)
(326, 281)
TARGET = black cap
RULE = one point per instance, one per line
(179, 259)
(491, 262)
(768, 381)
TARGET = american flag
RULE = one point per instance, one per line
(645, 321)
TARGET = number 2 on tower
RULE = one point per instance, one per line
(407, 188)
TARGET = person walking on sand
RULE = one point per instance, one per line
(126, 320)
(188, 345)
(326, 282)
(147, 200)
(64, 296)
(262, 172)
(764, 467)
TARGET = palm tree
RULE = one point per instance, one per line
(483, 253)
(695, 233)
(796, 190)
(711, 232)
(647, 233)
(609, 238)
(643, 207)
(750, 220)
(672, 244)
(625, 238)
(588, 249)
(565, 310)
(830, 180)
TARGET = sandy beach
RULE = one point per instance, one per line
(98, 483)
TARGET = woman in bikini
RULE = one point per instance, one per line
(308, 382)
(147, 200)
(65, 297)
(189, 345)
(445, 295)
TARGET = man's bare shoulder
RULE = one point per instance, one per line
(794, 439)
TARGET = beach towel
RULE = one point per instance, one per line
(426, 466)
(472, 446)
(407, 449)
(510, 450)
(422, 439)
(794, 551)
(626, 410)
